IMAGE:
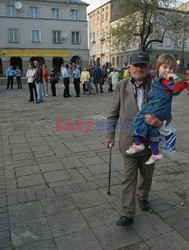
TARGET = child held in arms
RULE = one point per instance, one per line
(164, 87)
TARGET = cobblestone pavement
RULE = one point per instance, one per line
(53, 184)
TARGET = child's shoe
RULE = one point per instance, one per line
(135, 149)
(154, 159)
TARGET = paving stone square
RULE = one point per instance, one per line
(57, 205)
(26, 211)
(88, 199)
(51, 166)
(99, 215)
(28, 170)
(41, 245)
(112, 237)
(30, 180)
(58, 175)
(66, 223)
(171, 240)
(30, 231)
(83, 240)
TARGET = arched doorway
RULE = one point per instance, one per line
(40, 60)
(57, 62)
(76, 60)
(1, 67)
(16, 62)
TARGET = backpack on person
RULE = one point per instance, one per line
(56, 77)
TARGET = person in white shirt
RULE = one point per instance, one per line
(30, 75)
(114, 76)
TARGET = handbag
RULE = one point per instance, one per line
(167, 140)
(167, 144)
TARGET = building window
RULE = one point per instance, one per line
(11, 11)
(97, 35)
(97, 21)
(117, 61)
(106, 7)
(13, 36)
(35, 36)
(106, 16)
(113, 61)
(55, 13)
(33, 12)
(75, 14)
(102, 18)
(56, 36)
(121, 59)
(75, 37)
(93, 36)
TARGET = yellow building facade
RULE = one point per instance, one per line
(99, 34)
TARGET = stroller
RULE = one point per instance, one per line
(91, 87)
(108, 82)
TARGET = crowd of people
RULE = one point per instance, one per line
(91, 79)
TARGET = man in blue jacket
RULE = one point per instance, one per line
(98, 78)
(76, 76)
(10, 76)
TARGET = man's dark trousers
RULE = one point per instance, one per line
(53, 88)
(66, 90)
(31, 88)
(98, 81)
(10, 80)
(76, 85)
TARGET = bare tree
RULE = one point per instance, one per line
(143, 22)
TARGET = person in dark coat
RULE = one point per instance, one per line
(53, 81)
(98, 78)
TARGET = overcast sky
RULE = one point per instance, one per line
(96, 3)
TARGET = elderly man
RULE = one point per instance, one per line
(129, 97)
(38, 81)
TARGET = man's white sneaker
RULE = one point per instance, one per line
(154, 159)
(135, 149)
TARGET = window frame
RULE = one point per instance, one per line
(36, 12)
(75, 17)
(56, 12)
(12, 10)
(57, 42)
(75, 38)
(39, 35)
(10, 32)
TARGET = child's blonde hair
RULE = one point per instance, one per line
(166, 59)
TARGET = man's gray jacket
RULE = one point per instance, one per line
(123, 110)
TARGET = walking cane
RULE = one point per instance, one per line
(110, 164)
